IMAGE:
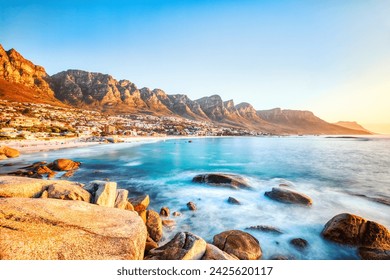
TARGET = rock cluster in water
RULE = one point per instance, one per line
(7, 152)
(58, 219)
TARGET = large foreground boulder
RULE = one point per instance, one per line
(238, 243)
(288, 196)
(7, 152)
(353, 230)
(52, 229)
(220, 179)
(184, 246)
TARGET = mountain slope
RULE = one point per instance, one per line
(21, 80)
(352, 125)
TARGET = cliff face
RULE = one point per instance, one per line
(15, 68)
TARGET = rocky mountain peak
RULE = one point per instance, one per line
(15, 68)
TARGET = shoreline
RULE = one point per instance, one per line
(36, 146)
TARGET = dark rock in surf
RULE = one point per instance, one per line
(219, 179)
(288, 196)
(299, 243)
(262, 228)
(191, 206)
(232, 200)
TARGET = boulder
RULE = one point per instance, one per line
(154, 225)
(299, 243)
(176, 214)
(14, 186)
(214, 253)
(104, 193)
(169, 223)
(68, 191)
(220, 179)
(184, 246)
(140, 203)
(263, 228)
(121, 199)
(232, 200)
(64, 164)
(9, 152)
(374, 253)
(288, 196)
(43, 170)
(150, 244)
(238, 243)
(52, 229)
(191, 206)
(349, 229)
(164, 212)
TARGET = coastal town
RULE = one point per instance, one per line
(24, 120)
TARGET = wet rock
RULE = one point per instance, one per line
(169, 223)
(288, 196)
(214, 253)
(43, 170)
(374, 253)
(51, 229)
(232, 200)
(238, 243)
(154, 225)
(263, 228)
(104, 193)
(164, 212)
(64, 164)
(143, 215)
(184, 246)
(220, 179)
(68, 191)
(121, 198)
(191, 206)
(299, 243)
(349, 229)
(8, 152)
(176, 214)
(140, 203)
(68, 174)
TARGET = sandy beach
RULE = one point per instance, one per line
(33, 146)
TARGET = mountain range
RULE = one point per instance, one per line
(21, 80)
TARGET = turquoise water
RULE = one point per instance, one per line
(339, 174)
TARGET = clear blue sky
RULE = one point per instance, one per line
(330, 56)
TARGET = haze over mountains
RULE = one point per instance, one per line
(21, 80)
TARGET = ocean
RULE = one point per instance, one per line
(341, 175)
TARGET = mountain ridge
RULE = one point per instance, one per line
(103, 92)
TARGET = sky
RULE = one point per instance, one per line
(331, 57)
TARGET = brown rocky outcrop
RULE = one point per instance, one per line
(154, 225)
(299, 243)
(288, 196)
(264, 228)
(238, 243)
(214, 253)
(7, 152)
(140, 203)
(224, 180)
(64, 164)
(349, 229)
(184, 246)
(164, 212)
(52, 229)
